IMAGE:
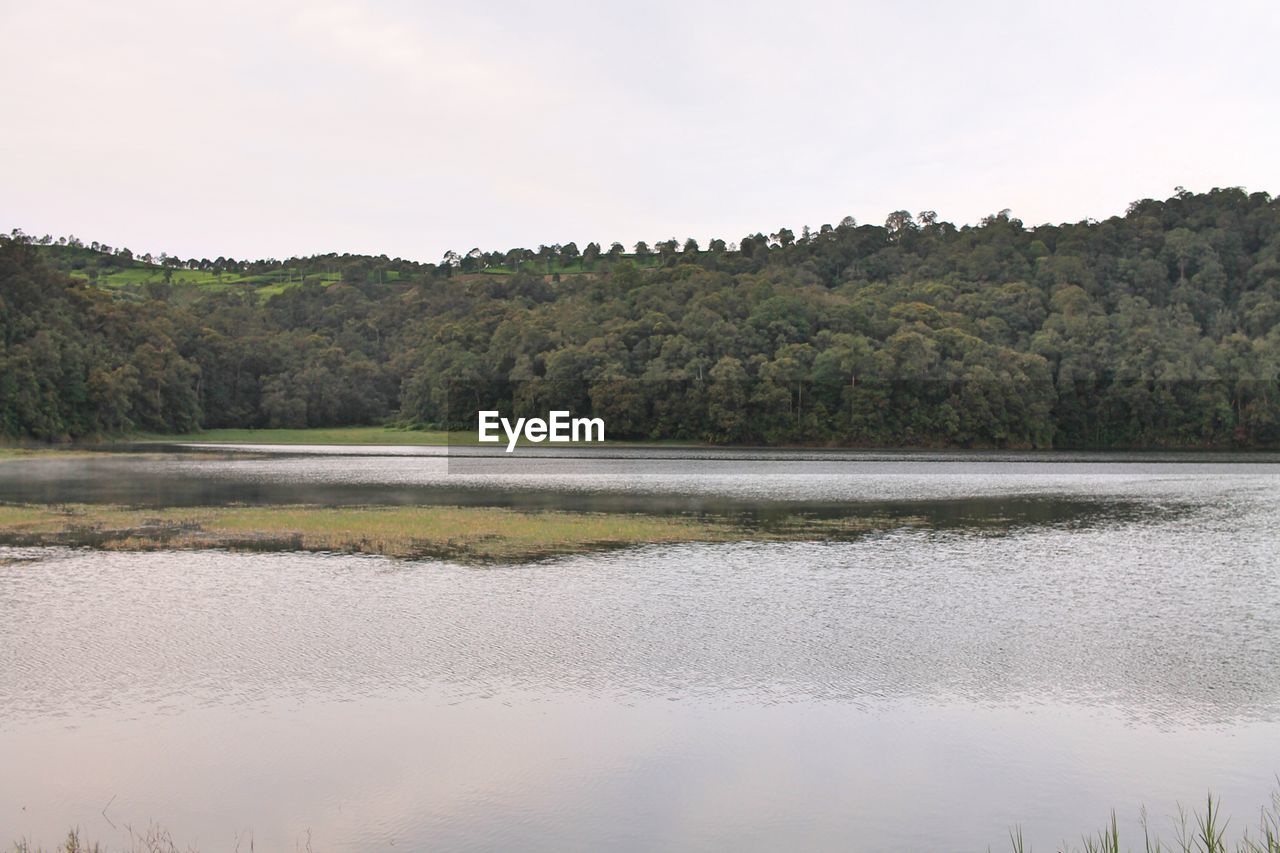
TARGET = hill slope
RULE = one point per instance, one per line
(1156, 328)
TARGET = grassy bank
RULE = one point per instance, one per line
(371, 435)
(319, 435)
(49, 452)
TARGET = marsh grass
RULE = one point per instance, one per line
(464, 534)
(1203, 832)
(154, 839)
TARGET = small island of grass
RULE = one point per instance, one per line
(462, 534)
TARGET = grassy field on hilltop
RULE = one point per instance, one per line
(113, 272)
(116, 272)
(140, 276)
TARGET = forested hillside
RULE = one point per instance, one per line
(1156, 328)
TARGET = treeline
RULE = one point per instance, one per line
(1156, 328)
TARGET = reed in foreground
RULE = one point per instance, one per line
(1200, 832)
(154, 839)
(1197, 832)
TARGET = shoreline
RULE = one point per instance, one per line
(383, 436)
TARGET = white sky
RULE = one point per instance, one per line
(256, 129)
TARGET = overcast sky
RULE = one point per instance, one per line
(256, 129)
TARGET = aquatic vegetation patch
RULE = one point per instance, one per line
(467, 534)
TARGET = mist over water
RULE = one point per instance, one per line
(1039, 641)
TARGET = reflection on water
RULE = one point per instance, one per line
(528, 772)
(916, 688)
(946, 488)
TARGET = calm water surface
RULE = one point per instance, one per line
(1047, 638)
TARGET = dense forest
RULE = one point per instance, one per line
(1156, 328)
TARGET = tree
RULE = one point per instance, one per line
(549, 254)
(727, 400)
(898, 223)
(569, 254)
(667, 250)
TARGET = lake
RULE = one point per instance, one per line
(1043, 637)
